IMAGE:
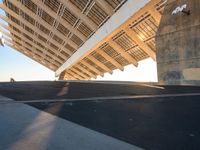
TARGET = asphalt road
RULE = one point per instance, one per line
(150, 123)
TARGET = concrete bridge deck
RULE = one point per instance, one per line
(166, 122)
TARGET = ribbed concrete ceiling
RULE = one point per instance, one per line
(51, 31)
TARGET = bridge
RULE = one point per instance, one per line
(69, 46)
(82, 39)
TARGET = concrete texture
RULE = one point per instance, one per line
(177, 44)
(23, 127)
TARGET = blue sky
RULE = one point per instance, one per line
(21, 68)
(16, 65)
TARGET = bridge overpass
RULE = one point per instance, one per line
(81, 39)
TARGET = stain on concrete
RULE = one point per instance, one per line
(177, 43)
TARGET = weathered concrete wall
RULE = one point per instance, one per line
(178, 44)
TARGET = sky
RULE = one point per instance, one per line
(15, 65)
(145, 72)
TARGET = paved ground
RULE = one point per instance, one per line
(26, 128)
(151, 123)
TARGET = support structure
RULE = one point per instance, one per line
(83, 39)
(177, 43)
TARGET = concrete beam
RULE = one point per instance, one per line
(105, 6)
(5, 34)
(118, 21)
(79, 14)
(75, 75)
(155, 14)
(44, 23)
(34, 28)
(59, 19)
(32, 43)
(140, 43)
(121, 51)
(30, 54)
(31, 35)
(33, 52)
(79, 73)
(110, 59)
(68, 76)
(92, 68)
(21, 50)
(85, 71)
(8, 43)
(100, 64)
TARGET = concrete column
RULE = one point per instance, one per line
(178, 43)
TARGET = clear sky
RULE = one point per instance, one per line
(21, 68)
(18, 66)
(146, 71)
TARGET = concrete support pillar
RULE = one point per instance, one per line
(62, 76)
(178, 43)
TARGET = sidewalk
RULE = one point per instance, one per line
(25, 127)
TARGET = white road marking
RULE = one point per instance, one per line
(4, 101)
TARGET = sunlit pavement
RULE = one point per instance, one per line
(153, 117)
(24, 127)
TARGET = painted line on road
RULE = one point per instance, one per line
(5, 101)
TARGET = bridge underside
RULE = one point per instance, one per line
(82, 39)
